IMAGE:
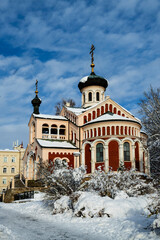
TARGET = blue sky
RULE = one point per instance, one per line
(50, 40)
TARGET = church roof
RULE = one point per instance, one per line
(92, 80)
(110, 117)
(55, 144)
(46, 116)
(77, 111)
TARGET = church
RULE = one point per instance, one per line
(99, 134)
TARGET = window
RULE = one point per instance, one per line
(5, 159)
(83, 97)
(4, 170)
(126, 151)
(54, 129)
(97, 96)
(13, 159)
(45, 128)
(99, 152)
(62, 130)
(12, 170)
(4, 181)
(89, 96)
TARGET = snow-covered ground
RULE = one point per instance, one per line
(34, 220)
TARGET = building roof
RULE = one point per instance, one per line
(76, 111)
(92, 80)
(46, 116)
(8, 150)
(55, 144)
(110, 117)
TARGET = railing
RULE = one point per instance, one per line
(54, 136)
(47, 136)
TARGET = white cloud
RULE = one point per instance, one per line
(125, 33)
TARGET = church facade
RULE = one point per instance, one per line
(99, 134)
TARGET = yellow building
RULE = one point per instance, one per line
(11, 164)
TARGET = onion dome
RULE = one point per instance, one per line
(36, 102)
(92, 79)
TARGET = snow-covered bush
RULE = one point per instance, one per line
(62, 205)
(62, 180)
(154, 206)
(130, 182)
(90, 205)
(156, 222)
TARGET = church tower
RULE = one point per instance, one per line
(92, 87)
(36, 102)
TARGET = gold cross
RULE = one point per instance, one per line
(36, 87)
(92, 58)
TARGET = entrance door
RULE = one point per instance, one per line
(113, 155)
(88, 158)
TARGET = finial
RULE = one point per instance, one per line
(92, 58)
(36, 102)
(36, 92)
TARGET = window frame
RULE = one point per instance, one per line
(126, 152)
(97, 96)
(4, 181)
(62, 130)
(12, 169)
(4, 168)
(99, 153)
(54, 129)
(45, 127)
(90, 97)
(14, 159)
(5, 159)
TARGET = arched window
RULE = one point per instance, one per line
(83, 97)
(89, 96)
(84, 119)
(99, 152)
(97, 96)
(126, 147)
(62, 130)
(45, 128)
(54, 129)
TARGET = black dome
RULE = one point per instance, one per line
(93, 80)
(36, 102)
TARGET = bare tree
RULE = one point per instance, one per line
(150, 116)
(62, 103)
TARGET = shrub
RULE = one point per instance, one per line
(62, 180)
(132, 183)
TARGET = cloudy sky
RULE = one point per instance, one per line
(49, 40)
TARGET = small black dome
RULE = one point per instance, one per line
(36, 102)
(92, 80)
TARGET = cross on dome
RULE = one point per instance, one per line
(92, 58)
(36, 92)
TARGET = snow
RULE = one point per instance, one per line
(34, 220)
(84, 79)
(55, 144)
(156, 223)
(110, 116)
(76, 111)
(46, 116)
(9, 150)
